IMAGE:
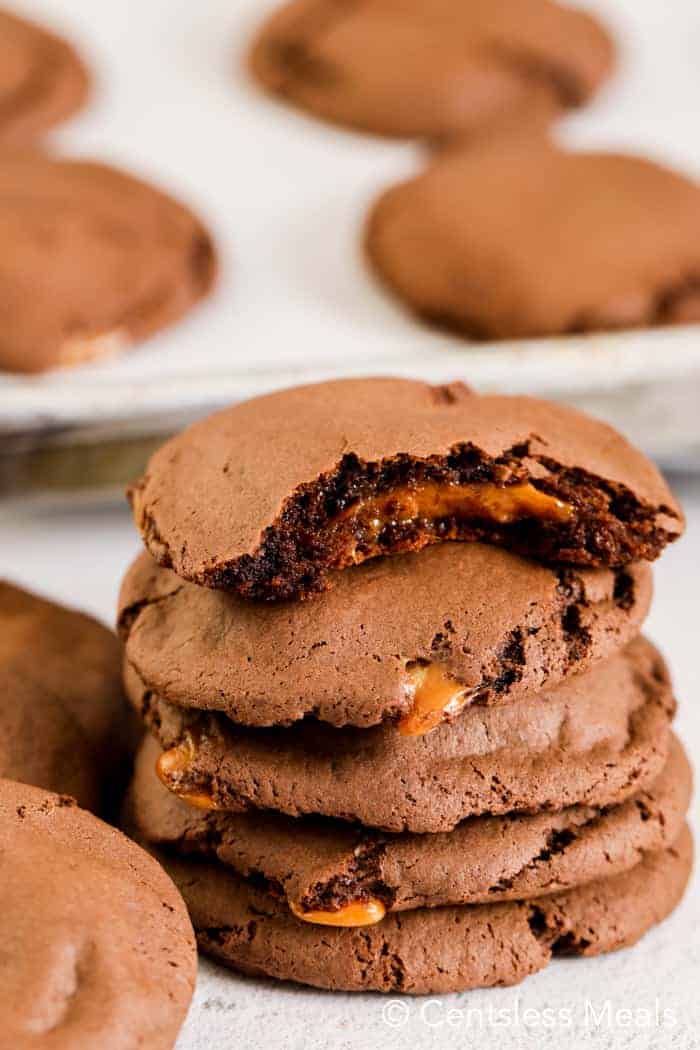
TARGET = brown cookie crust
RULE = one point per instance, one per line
(429, 951)
(93, 260)
(324, 865)
(344, 659)
(42, 80)
(64, 722)
(401, 68)
(97, 946)
(269, 496)
(475, 242)
(597, 739)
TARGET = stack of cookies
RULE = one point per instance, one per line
(405, 733)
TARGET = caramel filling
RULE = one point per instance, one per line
(356, 913)
(78, 349)
(437, 696)
(502, 504)
(172, 764)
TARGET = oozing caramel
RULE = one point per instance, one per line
(502, 504)
(170, 767)
(356, 913)
(436, 697)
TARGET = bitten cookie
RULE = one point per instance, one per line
(596, 739)
(520, 239)
(64, 721)
(97, 947)
(91, 261)
(333, 874)
(429, 950)
(42, 80)
(267, 497)
(410, 68)
(450, 640)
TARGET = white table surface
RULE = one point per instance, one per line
(79, 555)
(166, 78)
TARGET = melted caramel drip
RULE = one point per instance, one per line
(436, 697)
(503, 504)
(173, 763)
(356, 913)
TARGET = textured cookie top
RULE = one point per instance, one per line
(42, 80)
(92, 260)
(597, 738)
(98, 949)
(63, 720)
(489, 625)
(268, 496)
(410, 68)
(520, 239)
(327, 866)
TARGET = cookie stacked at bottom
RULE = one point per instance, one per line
(421, 773)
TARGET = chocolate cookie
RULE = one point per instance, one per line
(407, 68)
(97, 947)
(449, 641)
(429, 950)
(269, 496)
(42, 80)
(91, 260)
(63, 719)
(597, 739)
(520, 239)
(324, 869)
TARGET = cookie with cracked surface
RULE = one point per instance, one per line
(477, 241)
(596, 739)
(42, 80)
(93, 260)
(469, 623)
(324, 869)
(410, 69)
(268, 497)
(64, 722)
(98, 949)
(429, 950)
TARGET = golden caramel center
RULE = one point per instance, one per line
(356, 913)
(437, 696)
(503, 504)
(171, 766)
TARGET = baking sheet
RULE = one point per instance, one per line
(286, 198)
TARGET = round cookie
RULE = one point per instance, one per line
(597, 739)
(450, 640)
(97, 946)
(520, 239)
(429, 950)
(268, 496)
(407, 68)
(323, 866)
(92, 260)
(64, 723)
(42, 80)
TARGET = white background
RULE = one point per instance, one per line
(293, 284)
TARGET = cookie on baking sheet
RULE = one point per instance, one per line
(468, 623)
(91, 261)
(324, 869)
(42, 80)
(64, 722)
(521, 239)
(268, 496)
(596, 739)
(97, 947)
(411, 68)
(429, 950)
